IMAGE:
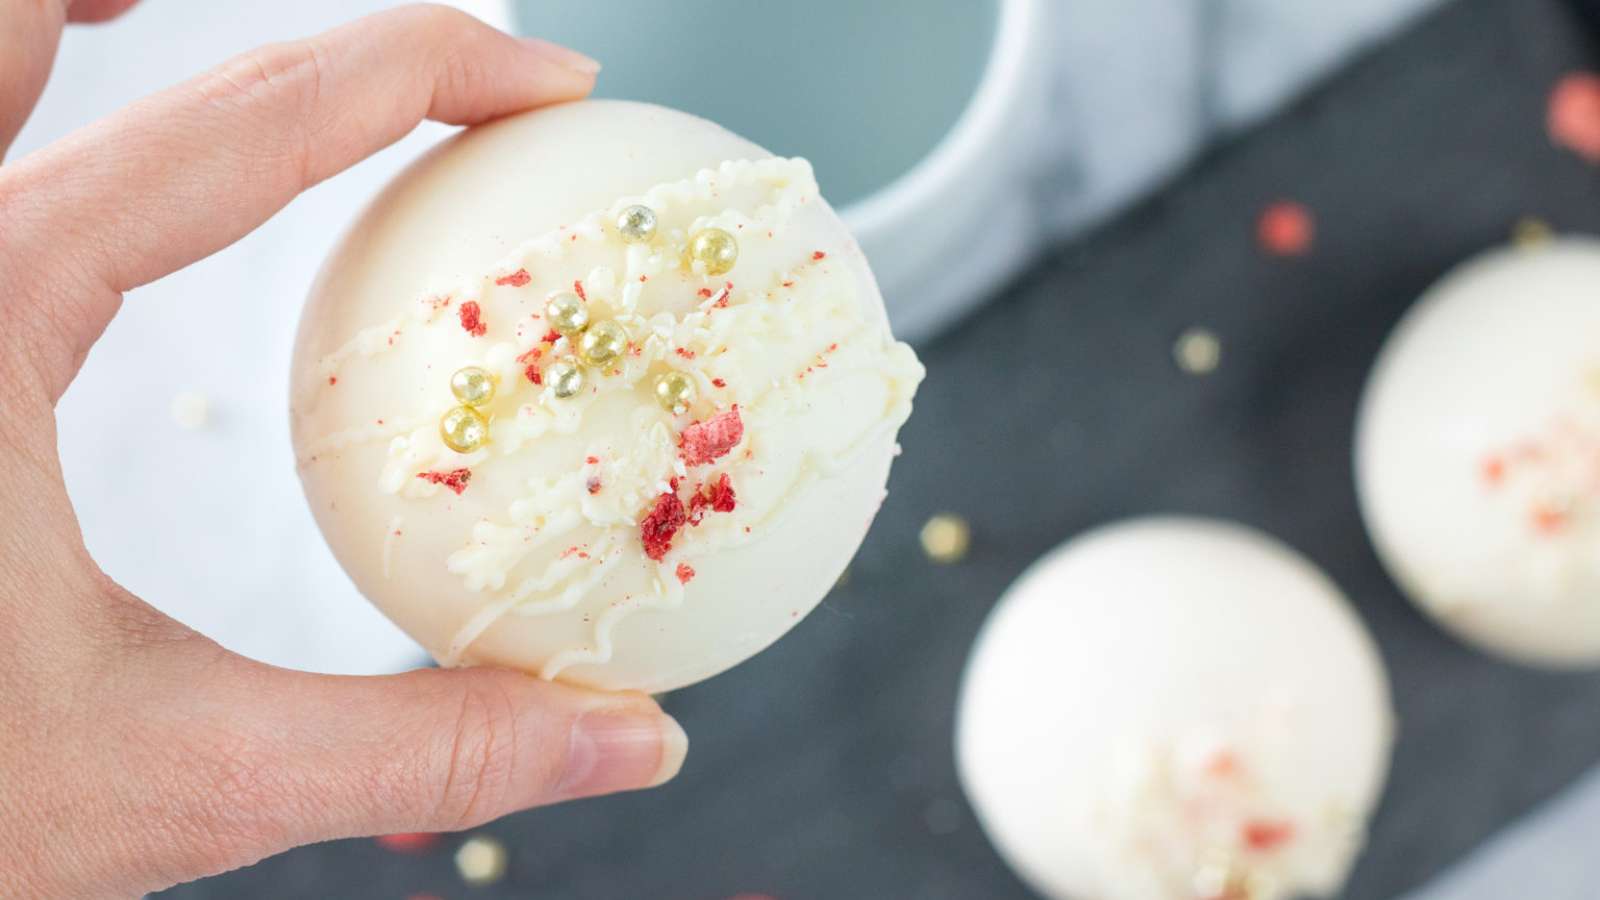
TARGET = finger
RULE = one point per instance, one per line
(182, 174)
(98, 10)
(29, 33)
(264, 759)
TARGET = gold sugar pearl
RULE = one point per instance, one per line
(472, 386)
(566, 312)
(637, 224)
(1531, 232)
(565, 377)
(464, 429)
(481, 860)
(674, 391)
(603, 344)
(1198, 351)
(946, 538)
(715, 249)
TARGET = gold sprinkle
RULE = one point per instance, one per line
(946, 538)
(637, 224)
(481, 860)
(566, 312)
(715, 249)
(603, 343)
(464, 429)
(1530, 232)
(472, 386)
(674, 391)
(565, 377)
(1198, 351)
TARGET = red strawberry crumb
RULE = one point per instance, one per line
(1222, 765)
(684, 352)
(1494, 471)
(705, 441)
(531, 366)
(718, 382)
(819, 255)
(333, 380)
(1285, 229)
(577, 287)
(591, 460)
(1264, 834)
(456, 479)
(516, 279)
(705, 293)
(1573, 117)
(472, 318)
(1547, 520)
(593, 484)
(416, 842)
(659, 527)
(685, 572)
(550, 337)
(717, 497)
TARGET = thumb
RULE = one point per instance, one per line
(287, 758)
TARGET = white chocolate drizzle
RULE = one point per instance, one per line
(782, 334)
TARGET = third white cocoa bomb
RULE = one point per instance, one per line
(1478, 452)
(1175, 709)
(602, 392)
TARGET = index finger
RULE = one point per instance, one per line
(182, 174)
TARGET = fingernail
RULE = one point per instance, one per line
(565, 57)
(622, 750)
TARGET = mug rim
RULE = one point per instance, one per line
(985, 112)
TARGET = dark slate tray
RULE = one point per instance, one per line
(823, 768)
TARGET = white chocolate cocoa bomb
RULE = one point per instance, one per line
(1478, 453)
(537, 559)
(1173, 709)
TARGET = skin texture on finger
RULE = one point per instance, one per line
(182, 174)
(220, 762)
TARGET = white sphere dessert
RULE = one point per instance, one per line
(602, 392)
(1175, 709)
(1478, 453)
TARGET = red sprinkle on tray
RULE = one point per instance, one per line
(1573, 118)
(1285, 228)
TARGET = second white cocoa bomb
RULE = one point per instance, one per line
(602, 392)
(1478, 453)
(1175, 709)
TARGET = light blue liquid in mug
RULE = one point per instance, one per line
(862, 88)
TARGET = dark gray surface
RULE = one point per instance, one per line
(823, 768)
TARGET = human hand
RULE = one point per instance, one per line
(135, 753)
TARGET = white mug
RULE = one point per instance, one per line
(965, 218)
(926, 141)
